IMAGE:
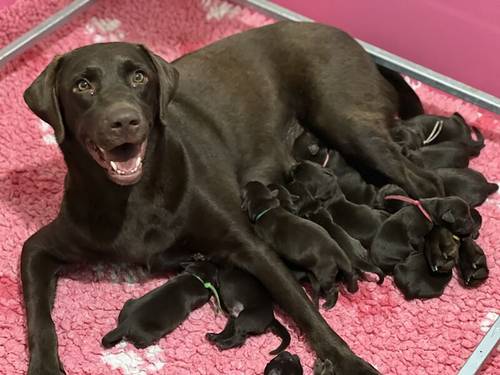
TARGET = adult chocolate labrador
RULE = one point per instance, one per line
(157, 153)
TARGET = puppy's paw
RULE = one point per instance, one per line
(472, 263)
(331, 298)
(441, 250)
(323, 367)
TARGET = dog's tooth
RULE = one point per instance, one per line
(114, 166)
(138, 162)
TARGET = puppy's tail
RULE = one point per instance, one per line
(279, 330)
(409, 102)
(475, 146)
(114, 337)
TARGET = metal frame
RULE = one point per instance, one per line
(394, 62)
(27, 40)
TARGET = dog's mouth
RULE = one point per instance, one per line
(122, 163)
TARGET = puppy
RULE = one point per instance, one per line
(426, 130)
(284, 364)
(250, 310)
(145, 320)
(352, 247)
(467, 184)
(443, 155)
(351, 182)
(405, 231)
(297, 240)
(359, 221)
(472, 263)
(415, 279)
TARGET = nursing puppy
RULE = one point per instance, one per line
(427, 130)
(145, 320)
(416, 280)
(406, 230)
(443, 155)
(284, 364)
(472, 263)
(354, 250)
(359, 221)
(299, 241)
(352, 183)
(250, 309)
(466, 183)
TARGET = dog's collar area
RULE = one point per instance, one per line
(436, 130)
(259, 216)
(413, 202)
(327, 159)
(208, 285)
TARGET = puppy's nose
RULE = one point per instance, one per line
(123, 118)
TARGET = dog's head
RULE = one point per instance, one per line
(452, 213)
(284, 364)
(321, 182)
(103, 99)
(257, 198)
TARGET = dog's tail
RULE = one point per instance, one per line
(279, 330)
(114, 337)
(409, 102)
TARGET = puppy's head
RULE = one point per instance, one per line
(321, 182)
(103, 100)
(256, 198)
(284, 364)
(308, 147)
(205, 270)
(452, 213)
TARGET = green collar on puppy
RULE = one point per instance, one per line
(208, 285)
(263, 213)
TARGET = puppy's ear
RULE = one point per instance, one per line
(41, 98)
(168, 79)
(275, 193)
(448, 217)
(459, 116)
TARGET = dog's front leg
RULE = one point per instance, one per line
(255, 257)
(38, 273)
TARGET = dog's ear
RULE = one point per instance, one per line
(448, 217)
(41, 98)
(168, 79)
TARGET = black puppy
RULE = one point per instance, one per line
(427, 130)
(441, 250)
(250, 309)
(352, 183)
(416, 280)
(405, 230)
(358, 220)
(352, 247)
(297, 240)
(284, 364)
(472, 263)
(466, 183)
(444, 155)
(145, 320)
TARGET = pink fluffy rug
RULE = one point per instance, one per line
(398, 337)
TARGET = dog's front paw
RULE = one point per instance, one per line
(323, 367)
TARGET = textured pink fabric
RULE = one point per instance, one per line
(399, 337)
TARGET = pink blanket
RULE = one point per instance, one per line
(398, 337)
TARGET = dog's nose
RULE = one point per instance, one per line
(124, 118)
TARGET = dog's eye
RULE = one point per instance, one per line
(83, 85)
(139, 77)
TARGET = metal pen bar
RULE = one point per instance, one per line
(31, 37)
(482, 351)
(394, 62)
